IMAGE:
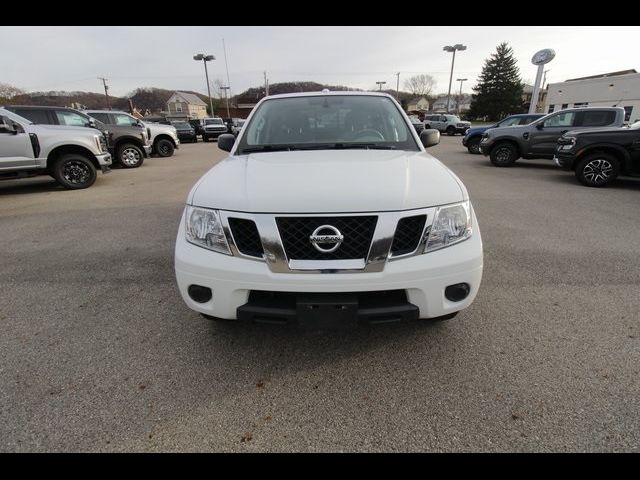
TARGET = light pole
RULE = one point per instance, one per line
(380, 84)
(226, 98)
(454, 48)
(205, 59)
(460, 96)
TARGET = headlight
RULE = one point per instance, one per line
(567, 143)
(204, 228)
(100, 143)
(451, 225)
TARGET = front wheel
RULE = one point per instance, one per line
(130, 155)
(504, 154)
(473, 146)
(164, 147)
(74, 171)
(451, 131)
(597, 169)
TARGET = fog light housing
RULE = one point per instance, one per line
(457, 292)
(199, 294)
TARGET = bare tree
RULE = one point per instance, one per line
(216, 88)
(421, 85)
(9, 91)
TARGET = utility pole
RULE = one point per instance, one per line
(398, 86)
(460, 96)
(226, 66)
(266, 84)
(205, 59)
(106, 90)
(226, 98)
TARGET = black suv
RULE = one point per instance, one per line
(598, 156)
(128, 145)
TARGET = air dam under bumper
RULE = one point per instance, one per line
(423, 278)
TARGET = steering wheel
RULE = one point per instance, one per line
(370, 132)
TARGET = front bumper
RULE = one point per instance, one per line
(147, 150)
(423, 278)
(187, 137)
(104, 160)
(564, 160)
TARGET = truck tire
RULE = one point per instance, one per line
(451, 131)
(597, 169)
(74, 171)
(473, 146)
(504, 154)
(130, 155)
(164, 147)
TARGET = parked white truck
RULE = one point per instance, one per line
(328, 209)
(71, 155)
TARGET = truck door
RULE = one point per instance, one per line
(544, 136)
(16, 151)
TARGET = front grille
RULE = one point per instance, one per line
(408, 234)
(246, 236)
(357, 232)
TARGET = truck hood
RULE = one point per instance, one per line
(326, 181)
(510, 130)
(476, 131)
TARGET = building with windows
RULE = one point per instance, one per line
(185, 106)
(615, 89)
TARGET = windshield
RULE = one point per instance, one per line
(327, 121)
(213, 121)
(509, 122)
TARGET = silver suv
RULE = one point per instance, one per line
(71, 155)
(449, 124)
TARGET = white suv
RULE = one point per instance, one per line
(328, 208)
(449, 124)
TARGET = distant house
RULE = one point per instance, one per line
(440, 104)
(418, 104)
(185, 106)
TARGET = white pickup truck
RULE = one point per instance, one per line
(328, 209)
(71, 155)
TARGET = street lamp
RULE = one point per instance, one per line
(205, 59)
(380, 84)
(226, 98)
(453, 49)
(460, 96)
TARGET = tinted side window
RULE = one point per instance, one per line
(71, 118)
(560, 120)
(122, 119)
(103, 117)
(599, 118)
(36, 116)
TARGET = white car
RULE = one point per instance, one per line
(328, 209)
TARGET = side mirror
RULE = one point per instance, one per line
(430, 137)
(226, 141)
(92, 123)
(539, 126)
(8, 126)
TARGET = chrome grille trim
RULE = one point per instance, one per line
(379, 251)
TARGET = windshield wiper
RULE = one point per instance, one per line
(367, 146)
(267, 148)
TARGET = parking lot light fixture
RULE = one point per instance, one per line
(453, 49)
(206, 58)
(380, 84)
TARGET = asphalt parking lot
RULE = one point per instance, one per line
(99, 353)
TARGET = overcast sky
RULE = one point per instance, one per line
(70, 58)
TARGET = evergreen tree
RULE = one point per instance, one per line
(499, 89)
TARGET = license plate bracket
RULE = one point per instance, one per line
(319, 310)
